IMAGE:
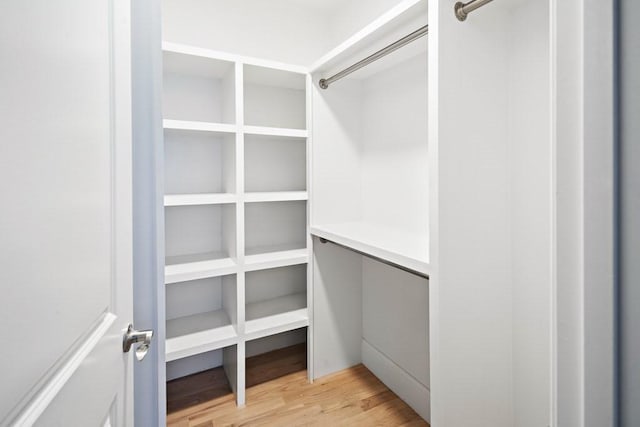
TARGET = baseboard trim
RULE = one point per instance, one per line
(398, 380)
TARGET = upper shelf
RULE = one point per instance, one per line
(397, 22)
(409, 250)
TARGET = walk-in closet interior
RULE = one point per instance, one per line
(397, 213)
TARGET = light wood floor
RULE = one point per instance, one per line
(353, 397)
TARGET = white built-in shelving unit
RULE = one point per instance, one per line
(236, 222)
(426, 181)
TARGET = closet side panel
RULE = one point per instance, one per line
(531, 198)
(336, 171)
(337, 308)
(470, 285)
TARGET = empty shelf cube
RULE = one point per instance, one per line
(274, 98)
(275, 226)
(199, 162)
(197, 88)
(276, 300)
(201, 316)
(275, 164)
(200, 241)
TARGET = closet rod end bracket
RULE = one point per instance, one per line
(323, 84)
(460, 13)
(323, 240)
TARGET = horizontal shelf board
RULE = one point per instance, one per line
(271, 131)
(199, 199)
(276, 315)
(198, 266)
(199, 126)
(387, 28)
(199, 333)
(283, 258)
(275, 196)
(410, 250)
(184, 49)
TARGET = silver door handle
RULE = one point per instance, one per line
(132, 337)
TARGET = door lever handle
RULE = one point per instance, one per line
(132, 337)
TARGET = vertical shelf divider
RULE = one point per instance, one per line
(240, 242)
(309, 123)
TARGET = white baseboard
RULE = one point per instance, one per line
(398, 380)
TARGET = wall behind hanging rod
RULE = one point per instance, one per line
(324, 83)
(462, 10)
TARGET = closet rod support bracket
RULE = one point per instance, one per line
(462, 10)
(323, 84)
(460, 13)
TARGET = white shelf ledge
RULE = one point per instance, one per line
(199, 199)
(198, 266)
(199, 333)
(270, 131)
(410, 250)
(275, 196)
(267, 260)
(276, 315)
(199, 126)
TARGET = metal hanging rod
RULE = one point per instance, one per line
(324, 83)
(462, 10)
(373, 257)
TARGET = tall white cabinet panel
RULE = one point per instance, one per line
(491, 214)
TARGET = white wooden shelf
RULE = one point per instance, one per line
(276, 315)
(198, 266)
(410, 250)
(275, 259)
(199, 199)
(275, 196)
(199, 333)
(189, 125)
(274, 131)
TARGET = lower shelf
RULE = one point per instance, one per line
(276, 315)
(199, 333)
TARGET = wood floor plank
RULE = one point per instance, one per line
(281, 395)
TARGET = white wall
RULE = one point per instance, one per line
(395, 173)
(281, 30)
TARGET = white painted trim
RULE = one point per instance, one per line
(410, 390)
(225, 56)
(50, 390)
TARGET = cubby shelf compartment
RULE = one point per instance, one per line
(410, 250)
(276, 259)
(199, 333)
(274, 98)
(275, 196)
(198, 266)
(199, 199)
(196, 126)
(276, 315)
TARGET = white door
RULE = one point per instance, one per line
(65, 216)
